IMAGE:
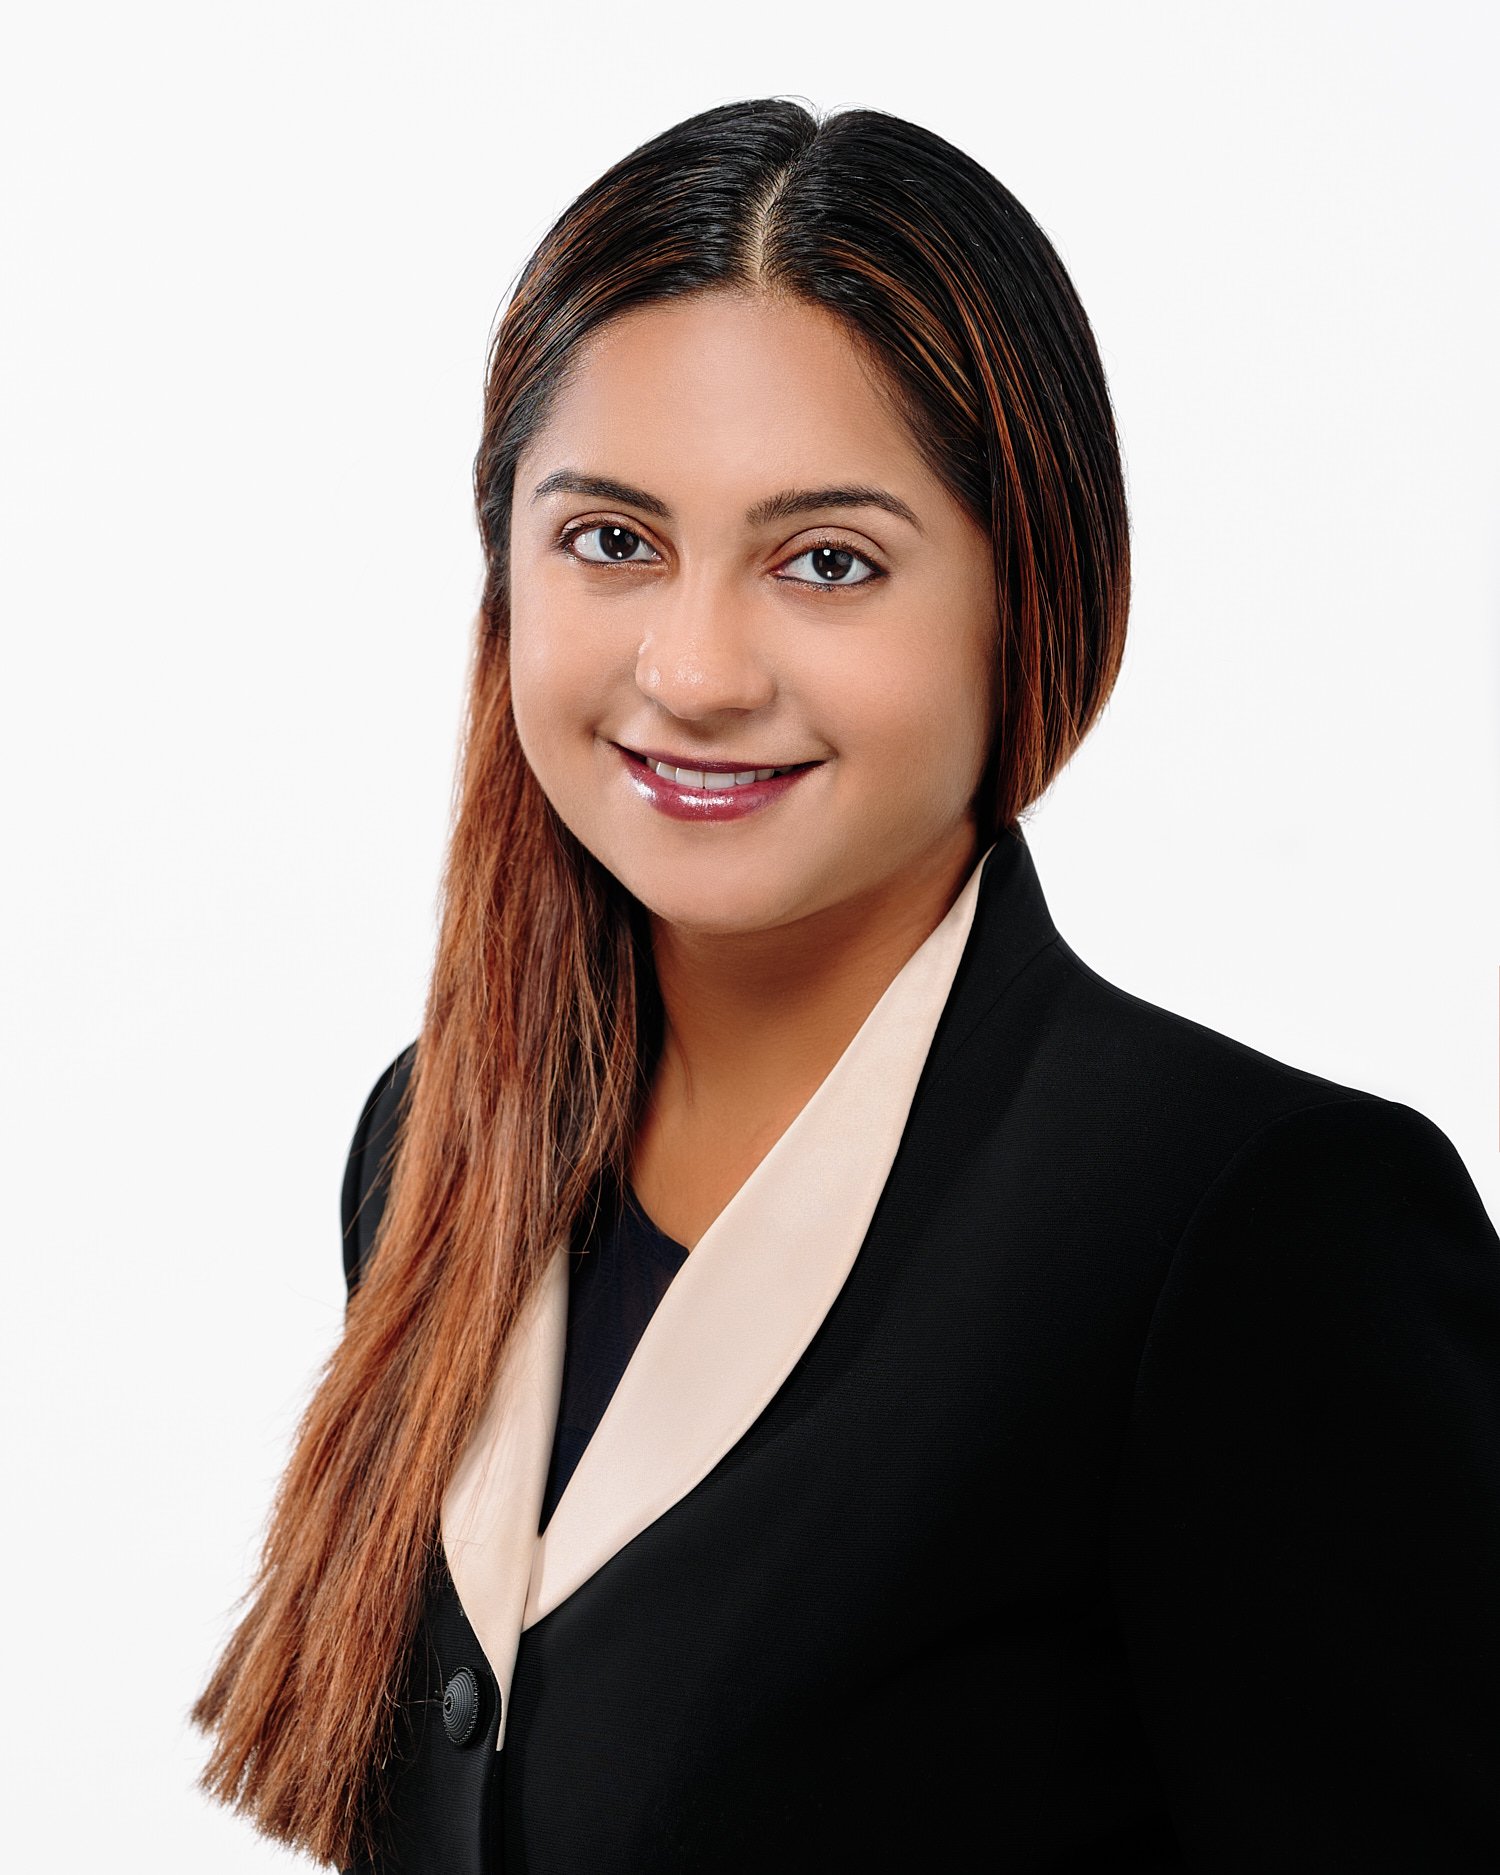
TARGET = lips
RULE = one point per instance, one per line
(711, 795)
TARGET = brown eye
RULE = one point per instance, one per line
(606, 543)
(833, 566)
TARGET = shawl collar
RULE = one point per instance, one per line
(744, 1306)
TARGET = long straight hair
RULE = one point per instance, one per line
(542, 1018)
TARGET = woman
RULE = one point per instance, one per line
(827, 1377)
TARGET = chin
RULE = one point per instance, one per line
(714, 898)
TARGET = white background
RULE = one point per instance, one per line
(253, 255)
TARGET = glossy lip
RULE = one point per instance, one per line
(705, 804)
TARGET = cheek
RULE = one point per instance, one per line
(531, 682)
(924, 702)
(555, 676)
(969, 703)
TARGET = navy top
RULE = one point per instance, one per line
(615, 1281)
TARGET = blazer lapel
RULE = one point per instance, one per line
(729, 1330)
(493, 1503)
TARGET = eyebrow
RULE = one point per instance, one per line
(782, 507)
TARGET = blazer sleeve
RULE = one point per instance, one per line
(1305, 1547)
(367, 1168)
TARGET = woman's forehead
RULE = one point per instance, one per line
(747, 396)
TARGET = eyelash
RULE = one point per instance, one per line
(876, 572)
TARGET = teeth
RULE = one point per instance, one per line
(713, 781)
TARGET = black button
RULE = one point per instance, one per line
(463, 1707)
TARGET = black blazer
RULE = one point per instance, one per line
(1136, 1505)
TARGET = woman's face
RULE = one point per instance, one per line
(726, 553)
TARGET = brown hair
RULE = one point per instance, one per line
(542, 1021)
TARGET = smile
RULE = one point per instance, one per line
(708, 794)
(713, 778)
(726, 771)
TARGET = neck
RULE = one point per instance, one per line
(755, 1020)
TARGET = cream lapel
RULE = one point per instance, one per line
(729, 1330)
(493, 1503)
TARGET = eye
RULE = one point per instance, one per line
(608, 545)
(832, 565)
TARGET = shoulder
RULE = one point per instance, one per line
(1303, 1532)
(1352, 1152)
(1341, 1254)
(1166, 1052)
(1134, 1104)
(367, 1167)
(1130, 1112)
(1284, 1136)
(1317, 1394)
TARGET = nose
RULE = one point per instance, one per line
(701, 654)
